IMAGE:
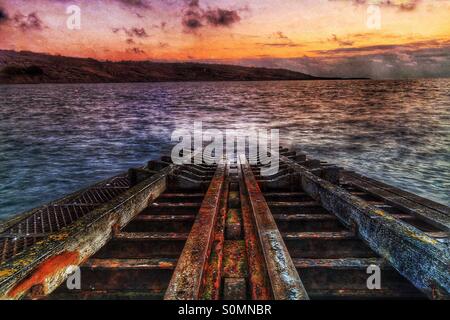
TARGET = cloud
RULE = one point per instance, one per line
(340, 42)
(281, 35)
(402, 5)
(3, 16)
(194, 17)
(143, 4)
(24, 22)
(382, 47)
(279, 39)
(132, 32)
(221, 17)
(414, 60)
(140, 4)
(280, 45)
(28, 22)
(135, 50)
(138, 32)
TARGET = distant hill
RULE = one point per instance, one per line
(29, 67)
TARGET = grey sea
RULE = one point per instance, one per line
(55, 139)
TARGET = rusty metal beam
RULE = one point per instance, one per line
(341, 264)
(212, 278)
(259, 283)
(143, 236)
(130, 264)
(424, 261)
(284, 279)
(187, 279)
(340, 235)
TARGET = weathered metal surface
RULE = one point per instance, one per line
(424, 261)
(259, 282)
(234, 259)
(303, 217)
(295, 205)
(284, 279)
(342, 235)
(128, 264)
(24, 230)
(233, 228)
(164, 218)
(234, 289)
(187, 280)
(212, 281)
(405, 194)
(42, 267)
(341, 264)
(438, 218)
(142, 236)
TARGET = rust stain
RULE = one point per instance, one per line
(165, 264)
(5, 273)
(235, 259)
(258, 277)
(423, 238)
(47, 269)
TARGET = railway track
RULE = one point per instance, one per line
(310, 231)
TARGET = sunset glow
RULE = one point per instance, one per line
(319, 37)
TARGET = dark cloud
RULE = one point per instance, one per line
(413, 60)
(135, 50)
(141, 4)
(28, 22)
(3, 16)
(281, 35)
(280, 45)
(194, 17)
(136, 3)
(138, 32)
(340, 42)
(221, 17)
(402, 5)
(383, 47)
(280, 40)
(132, 32)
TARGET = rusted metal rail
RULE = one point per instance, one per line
(284, 279)
(199, 231)
(187, 280)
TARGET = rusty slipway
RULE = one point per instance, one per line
(199, 231)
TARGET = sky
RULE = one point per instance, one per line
(346, 38)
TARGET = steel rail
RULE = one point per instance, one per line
(284, 279)
(186, 282)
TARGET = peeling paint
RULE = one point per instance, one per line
(50, 267)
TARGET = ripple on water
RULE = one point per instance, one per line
(55, 139)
